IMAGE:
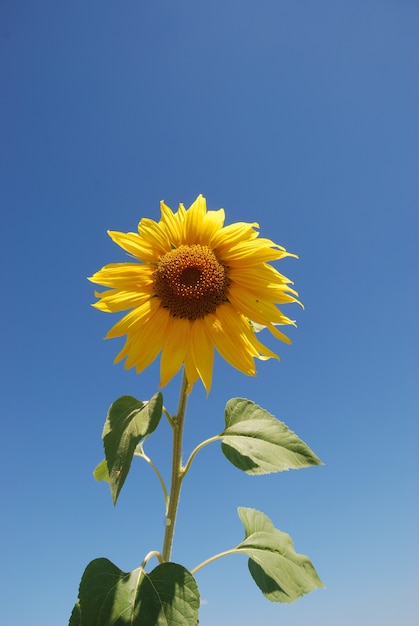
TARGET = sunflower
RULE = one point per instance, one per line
(198, 285)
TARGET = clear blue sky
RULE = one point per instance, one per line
(300, 115)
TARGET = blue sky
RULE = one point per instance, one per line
(300, 115)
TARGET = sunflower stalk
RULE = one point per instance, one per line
(177, 470)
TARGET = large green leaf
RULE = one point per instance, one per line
(129, 420)
(167, 596)
(75, 618)
(258, 443)
(281, 574)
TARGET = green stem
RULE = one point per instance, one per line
(150, 556)
(213, 558)
(197, 449)
(167, 416)
(177, 471)
(142, 455)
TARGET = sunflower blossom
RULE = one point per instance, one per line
(195, 284)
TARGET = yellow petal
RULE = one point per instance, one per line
(175, 347)
(193, 221)
(232, 234)
(155, 236)
(170, 221)
(142, 348)
(201, 353)
(132, 243)
(226, 332)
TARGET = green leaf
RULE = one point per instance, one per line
(128, 421)
(258, 443)
(101, 471)
(167, 596)
(281, 574)
(75, 619)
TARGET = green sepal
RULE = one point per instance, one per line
(256, 442)
(282, 574)
(110, 597)
(129, 420)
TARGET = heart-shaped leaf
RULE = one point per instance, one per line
(110, 597)
(258, 443)
(281, 574)
(129, 420)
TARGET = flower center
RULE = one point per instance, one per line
(191, 282)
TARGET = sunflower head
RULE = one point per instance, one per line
(194, 285)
